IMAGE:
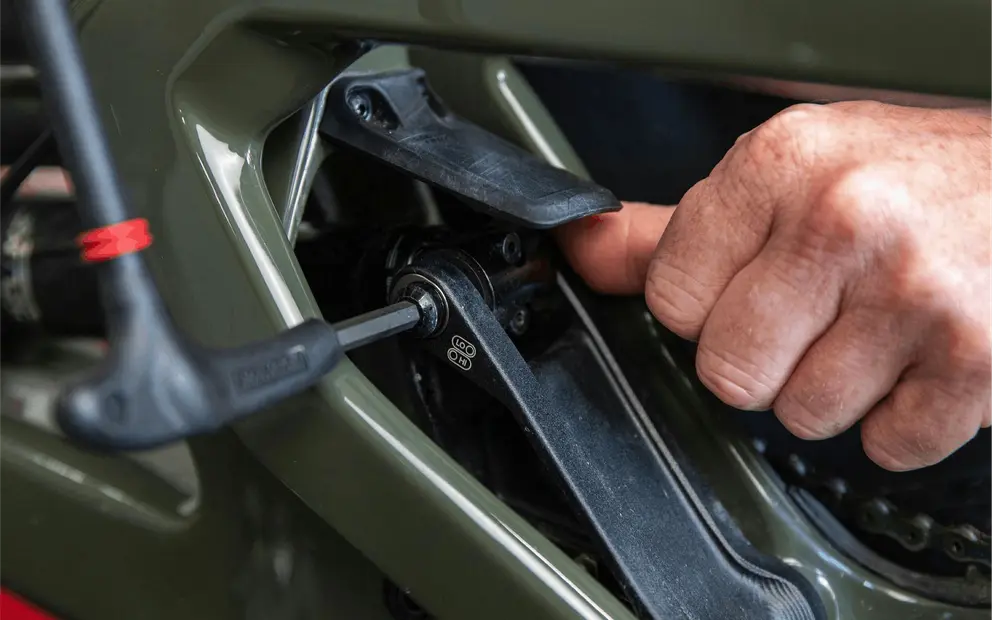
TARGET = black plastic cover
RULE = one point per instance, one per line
(396, 118)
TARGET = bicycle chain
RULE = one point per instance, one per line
(963, 543)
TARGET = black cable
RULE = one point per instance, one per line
(25, 164)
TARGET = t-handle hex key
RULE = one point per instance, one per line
(156, 386)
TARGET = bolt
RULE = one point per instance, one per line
(401, 605)
(519, 322)
(429, 300)
(510, 249)
(360, 105)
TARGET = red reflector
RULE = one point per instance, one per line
(13, 607)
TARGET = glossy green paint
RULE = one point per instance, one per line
(189, 91)
(90, 535)
(94, 536)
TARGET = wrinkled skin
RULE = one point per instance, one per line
(834, 266)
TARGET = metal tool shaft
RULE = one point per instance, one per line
(376, 325)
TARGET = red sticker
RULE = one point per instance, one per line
(109, 242)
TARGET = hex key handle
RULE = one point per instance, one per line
(155, 386)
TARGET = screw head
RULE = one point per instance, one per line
(510, 248)
(520, 321)
(429, 299)
(361, 105)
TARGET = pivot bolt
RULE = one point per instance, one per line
(429, 300)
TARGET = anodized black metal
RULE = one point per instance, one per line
(396, 118)
(666, 550)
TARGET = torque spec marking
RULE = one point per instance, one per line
(461, 352)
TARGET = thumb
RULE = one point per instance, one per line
(612, 251)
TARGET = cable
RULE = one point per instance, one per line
(25, 164)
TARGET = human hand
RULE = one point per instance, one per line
(834, 266)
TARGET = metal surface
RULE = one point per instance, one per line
(376, 325)
(303, 169)
(428, 298)
(187, 110)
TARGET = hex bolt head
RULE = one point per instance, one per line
(361, 105)
(510, 248)
(429, 300)
(520, 321)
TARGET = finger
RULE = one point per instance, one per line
(612, 251)
(845, 373)
(765, 320)
(923, 421)
(716, 230)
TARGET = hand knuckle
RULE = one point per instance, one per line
(733, 379)
(850, 204)
(806, 421)
(799, 270)
(903, 439)
(914, 281)
(798, 118)
(883, 452)
(969, 352)
(677, 299)
(783, 138)
(897, 447)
